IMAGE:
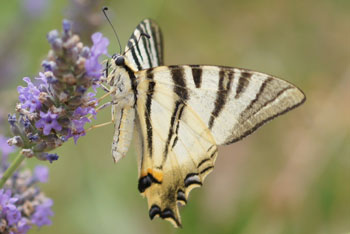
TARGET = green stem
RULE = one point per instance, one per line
(12, 168)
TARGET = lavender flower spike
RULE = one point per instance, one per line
(56, 107)
(22, 205)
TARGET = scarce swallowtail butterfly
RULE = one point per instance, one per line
(180, 114)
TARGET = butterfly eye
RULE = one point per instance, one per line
(120, 61)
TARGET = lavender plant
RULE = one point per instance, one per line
(53, 108)
(22, 204)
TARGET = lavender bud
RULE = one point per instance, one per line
(51, 79)
(69, 79)
(3, 225)
(42, 146)
(26, 124)
(29, 115)
(75, 54)
(12, 119)
(76, 101)
(57, 44)
(15, 141)
(48, 65)
(52, 157)
(46, 156)
(43, 97)
(85, 52)
(27, 153)
(80, 46)
(65, 132)
(67, 26)
(63, 97)
(71, 42)
(81, 89)
(15, 129)
(80, 64)
(33, 137)
(52, 36)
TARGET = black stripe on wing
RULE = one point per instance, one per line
(150, 92)
(224, 88)
(178, 76)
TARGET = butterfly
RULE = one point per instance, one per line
(180, 114)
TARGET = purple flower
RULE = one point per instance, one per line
(23, 226)
(5, 198)
(4, 147)
(48, 122)
(82, 111)
(51, 157)
(100, 44)
(42, 213)
(35, 7)
(78, 128)
(41, 174)
(13, 215)
(8, 208)
(43, 84)
(92, 66)
(22, 205)
(29, 96)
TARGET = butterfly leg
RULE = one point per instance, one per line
(105, 88)
(99, 125)
(103, 124)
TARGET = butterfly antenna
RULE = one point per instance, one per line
(104, 10)
(138, 40)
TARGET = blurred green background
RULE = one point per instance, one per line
(291, 176)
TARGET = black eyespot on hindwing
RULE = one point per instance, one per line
(155, 210)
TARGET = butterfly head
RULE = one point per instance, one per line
(119, 60)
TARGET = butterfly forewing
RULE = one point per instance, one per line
(231, 102)
(185, 111)
(148, 52)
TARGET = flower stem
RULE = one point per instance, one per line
(12, 168)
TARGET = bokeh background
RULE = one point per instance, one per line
(291, 176)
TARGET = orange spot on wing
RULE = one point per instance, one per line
(143, 174)
(157, 174)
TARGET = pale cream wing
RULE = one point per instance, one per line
(177, 149)
(232, 102)
(185, 111)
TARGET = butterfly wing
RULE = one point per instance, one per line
(147, 53)
(184, 112)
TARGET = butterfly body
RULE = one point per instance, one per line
(123, 113)
(180, 114)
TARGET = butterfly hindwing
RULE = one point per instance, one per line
(184, 112)
(170, 165)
